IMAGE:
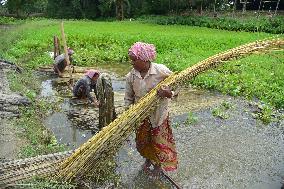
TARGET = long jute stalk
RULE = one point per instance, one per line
(89, 157)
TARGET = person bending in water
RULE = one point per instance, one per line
(85, 85)
(60, 62)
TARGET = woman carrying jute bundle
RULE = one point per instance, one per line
(154, 138)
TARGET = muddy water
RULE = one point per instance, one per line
(74, 122)
(236, 151)
(65, 132)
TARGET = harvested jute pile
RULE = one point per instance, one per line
(15, 171)
(90, 157)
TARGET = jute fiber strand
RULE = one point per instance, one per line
(90, 156)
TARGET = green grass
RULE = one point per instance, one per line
(222, 110)
(96, 42)
(8, 20)
(258, 76)
(178, 47)
(24, 83)
(240, 23)
(39, 139)
(191, 119)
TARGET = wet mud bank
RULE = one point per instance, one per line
(10, 102)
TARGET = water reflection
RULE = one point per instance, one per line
(46, 89)
(75, 122)
(65, 132)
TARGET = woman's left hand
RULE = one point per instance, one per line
(96, 103)
(164, 91)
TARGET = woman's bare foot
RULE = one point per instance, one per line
(146, 166)
(157, 172)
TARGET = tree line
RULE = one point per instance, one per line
(93, 9)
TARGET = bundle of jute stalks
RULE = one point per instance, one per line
(15, 171)
(90, 157)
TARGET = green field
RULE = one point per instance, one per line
(178, 47)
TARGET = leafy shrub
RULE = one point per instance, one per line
(273, 25)
(7, 20)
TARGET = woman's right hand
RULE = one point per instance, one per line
(164, 91)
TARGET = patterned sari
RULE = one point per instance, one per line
(157, 144)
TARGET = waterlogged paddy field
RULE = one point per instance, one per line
(178, 47)
(243, 152)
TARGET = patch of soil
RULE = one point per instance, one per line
(9, 141)
(9, 103)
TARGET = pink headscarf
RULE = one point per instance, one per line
(70, 51)
(143, 51)
(91, 73)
